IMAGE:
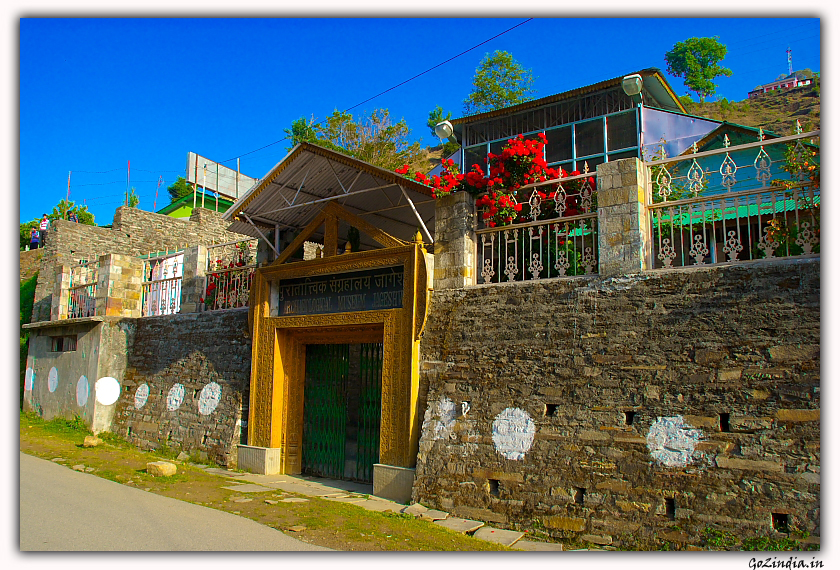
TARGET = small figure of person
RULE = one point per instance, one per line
(45, 225)
(34, 239)
(73, 218)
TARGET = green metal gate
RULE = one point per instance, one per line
(342, 410)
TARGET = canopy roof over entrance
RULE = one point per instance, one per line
(299, 186)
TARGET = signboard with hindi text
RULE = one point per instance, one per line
(369, 290)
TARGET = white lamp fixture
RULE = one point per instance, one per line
(632, 84)
(443, 130)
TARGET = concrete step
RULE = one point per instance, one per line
(534, 546)
(498, 535)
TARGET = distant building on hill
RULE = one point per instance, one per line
(795, 79)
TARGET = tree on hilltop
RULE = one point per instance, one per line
(696, 61)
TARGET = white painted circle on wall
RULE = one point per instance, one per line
(671, 441)
(52, 379)
(82, 390)
(175, 397)
(513, 433)
(209, 398)
(28, 379)
(107, 390)
(141, 396)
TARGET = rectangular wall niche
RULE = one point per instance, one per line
(63, 343)
(781, 522)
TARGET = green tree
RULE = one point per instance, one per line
(436, 116)
(696, 61)
(309, 131)
(499, 81)
(179, 189)
(374, 137)
(133, 198)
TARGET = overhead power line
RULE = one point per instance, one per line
(397, 85)
(438, 65)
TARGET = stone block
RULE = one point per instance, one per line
(393, 483)
(709, 357)
(806, 415)
(748, 464)
(161, 469)
(560, 522)
(729, 375)
(497, 475)
(593, 435)
(261, 460)
(631, 506)
(791, 353)
(464, 526)
(498, 536)
(702, 421)
(750, 424)
(596, 539)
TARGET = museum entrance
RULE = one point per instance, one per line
(342, 410)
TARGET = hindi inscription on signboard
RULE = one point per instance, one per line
(371, 290)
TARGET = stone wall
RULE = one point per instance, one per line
(631, 411)
(134, 232)
(186, 383)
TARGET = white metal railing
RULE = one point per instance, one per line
(555, 234)
(230, 271)
(81, 301)
(162, 278)
(739, 203)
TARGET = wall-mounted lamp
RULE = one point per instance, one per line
(444, 130)
(632, 86)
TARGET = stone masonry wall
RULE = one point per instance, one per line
(631, 411)
(134, 232)
(186, 383)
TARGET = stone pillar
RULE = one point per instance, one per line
(623, 228)
(454, 241)
(119, 286)
(61, 293)
(192, 288)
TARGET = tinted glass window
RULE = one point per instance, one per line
(475, 155)
(621, 131)
(559, 146)
(589, 137)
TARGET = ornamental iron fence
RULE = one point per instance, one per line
(162, 280)
(555, 233)
(739, 203)
(81, 299)
(230, 272)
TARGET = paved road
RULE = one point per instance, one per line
(61, 509)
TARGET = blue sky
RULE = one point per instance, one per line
(97, 93)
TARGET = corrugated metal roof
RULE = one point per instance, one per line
(661, 86)
(296, 189)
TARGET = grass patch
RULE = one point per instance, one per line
(337, 525)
